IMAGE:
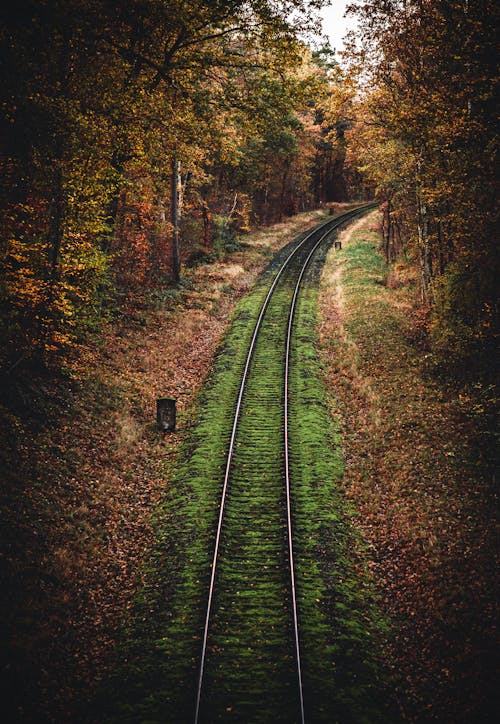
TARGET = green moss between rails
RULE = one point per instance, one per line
(155, 677)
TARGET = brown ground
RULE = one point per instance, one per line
(84, 470)
(84, 475)
(418, 469)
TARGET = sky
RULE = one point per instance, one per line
(334, 24)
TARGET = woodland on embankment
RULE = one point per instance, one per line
(141, 141)
(140, 136)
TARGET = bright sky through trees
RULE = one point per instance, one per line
(335, 25)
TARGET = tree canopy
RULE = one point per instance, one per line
(102, 101)
(137, 136)
(425, 134)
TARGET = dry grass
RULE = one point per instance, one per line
(418, 474)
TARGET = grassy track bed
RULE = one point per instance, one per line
(250, 670)
(155, 674)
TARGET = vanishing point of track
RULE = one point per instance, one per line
(248, 494)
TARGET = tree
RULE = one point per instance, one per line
(102, 102)
(430, 122)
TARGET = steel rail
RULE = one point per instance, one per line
(287, 474)
(286, 440)
(332, 224)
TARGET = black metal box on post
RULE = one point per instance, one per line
(338, 245)
(165, 414)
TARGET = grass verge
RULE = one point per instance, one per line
(419, 469)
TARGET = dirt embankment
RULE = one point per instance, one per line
(419, 470)
(84, 469)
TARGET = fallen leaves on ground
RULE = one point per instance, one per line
(420, 473)
(84, 471)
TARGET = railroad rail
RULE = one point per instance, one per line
(256, 493)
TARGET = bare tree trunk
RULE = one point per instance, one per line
(233, 207)
(174, 213)
(424, 247)
(387, 229)
(282, 194)
(265, 206)
(440, 250)
(423, 240)
(392, 244)
(399, 236)
(205, 212)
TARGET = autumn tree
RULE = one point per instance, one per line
(109, 108)
(426, 135)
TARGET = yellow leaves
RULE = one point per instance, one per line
(60, 339)
(26, 292)
(18, 257)
(19, 252)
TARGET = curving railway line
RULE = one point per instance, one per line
(250, 666)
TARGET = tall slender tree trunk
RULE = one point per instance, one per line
(399, 236)
(424, 247)
(441, 250)
(284, 179)
(386, 229)
(174, 214)
(424, 244)
(116, 203)
(265, 211)
(205, 212)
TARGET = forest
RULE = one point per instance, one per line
(141, 136)
(144, 140)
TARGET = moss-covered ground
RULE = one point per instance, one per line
(250, 669)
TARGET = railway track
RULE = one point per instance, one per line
(250, 665)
